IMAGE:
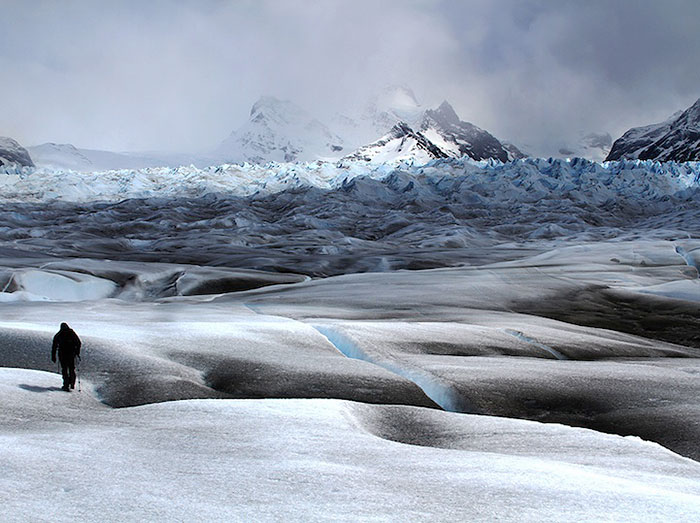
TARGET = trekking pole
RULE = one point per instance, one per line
(78, 373)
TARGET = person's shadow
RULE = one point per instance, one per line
(34, 388)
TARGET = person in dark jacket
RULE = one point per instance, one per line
(67, 343)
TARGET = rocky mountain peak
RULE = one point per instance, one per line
(401, 129)
(444, 114)
(690, 117)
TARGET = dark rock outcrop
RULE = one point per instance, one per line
(677, 139)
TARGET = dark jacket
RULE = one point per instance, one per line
(67, 343)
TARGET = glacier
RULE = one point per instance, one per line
(327, 218)
(575, 178)
(451, 340)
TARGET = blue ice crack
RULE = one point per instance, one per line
(437, 390)
(522, 337)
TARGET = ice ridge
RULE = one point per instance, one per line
(526, 180)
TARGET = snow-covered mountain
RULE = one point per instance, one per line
(676, 139)
(377, 116)
(392, 105)
(592, 146)
(634, 141)
(400, 144)
(279, 131)
(12, 152)
(60, 156)
(440, 134)
(67, 156)
(458, 138)
(392, 126)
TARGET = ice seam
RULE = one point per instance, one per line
(442, 394)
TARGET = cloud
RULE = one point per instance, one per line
(543, 71)
(180, 75)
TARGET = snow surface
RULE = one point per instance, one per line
(315, 460)
(254, 349)
(402, 144)
(56, 285)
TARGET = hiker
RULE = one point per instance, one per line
(68, 345)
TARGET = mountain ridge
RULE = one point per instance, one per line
(281, 131)
(439, 134)
(675, 139)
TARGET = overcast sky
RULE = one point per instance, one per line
(181, 75)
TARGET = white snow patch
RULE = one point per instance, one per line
(38, 285)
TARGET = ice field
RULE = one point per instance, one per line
(454, 341)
